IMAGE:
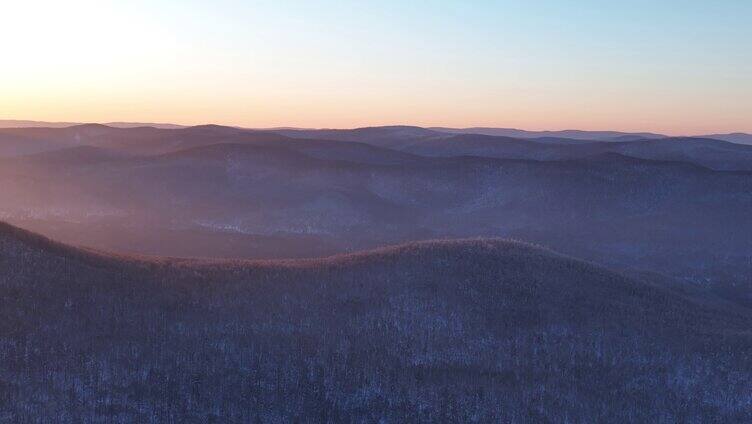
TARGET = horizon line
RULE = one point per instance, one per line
(146, 123)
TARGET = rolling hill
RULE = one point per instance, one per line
(148, 141)
(385, 145)
(468, 330)
(722, 154)
(715, 154)
(139, 140)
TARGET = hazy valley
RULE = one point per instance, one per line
(678, 206)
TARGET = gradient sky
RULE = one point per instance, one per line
(678, 67)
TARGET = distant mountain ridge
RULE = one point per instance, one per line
(407, 131)
(572, 134)
(13, 123)
(739, 138)
(397, 135)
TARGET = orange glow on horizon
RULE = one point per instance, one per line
(260, 67)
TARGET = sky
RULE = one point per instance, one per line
(675, 67)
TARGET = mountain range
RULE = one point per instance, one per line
(678, 206)
(740, 138)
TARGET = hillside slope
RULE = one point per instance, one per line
(449, 331)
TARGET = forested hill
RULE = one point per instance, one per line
(445, 331)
